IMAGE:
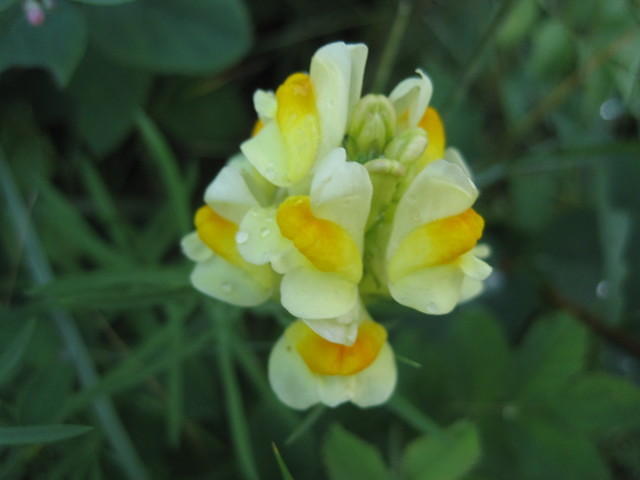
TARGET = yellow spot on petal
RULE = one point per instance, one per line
(257, 127)
(432, 124)
(298, 122)
(324, 243)
(326, 358)
(436, 243)
(218, 234)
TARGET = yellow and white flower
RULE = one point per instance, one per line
(220, 270)
(432, 262)
(305, 368)
(308, 114)
(316, 241)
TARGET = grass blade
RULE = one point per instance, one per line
(30, 435)
(222, 317)
(40, 271)
(13, 353)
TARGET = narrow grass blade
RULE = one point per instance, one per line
(311, 418)
(33, 435)
(13, 353)
(40, 271)
(284, 471)
(222, 318)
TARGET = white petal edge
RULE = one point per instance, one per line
(359, 53)
(342, 329)
(265, 104)
(412, 95)
(434, 290)
(375, 384)
(311, 294)
(221, 280)
(229, 195)
(194, 248)
(331, 77)
(291, 380)
(454, 156)
(341, 192)
(440, 190)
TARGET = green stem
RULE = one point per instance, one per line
(40, 271)
(167, 165)
(390, 52)
(222, 318)
(412, 415)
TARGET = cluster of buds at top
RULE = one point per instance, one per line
(336, 199)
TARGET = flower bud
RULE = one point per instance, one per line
(372, 125)
(408, 146)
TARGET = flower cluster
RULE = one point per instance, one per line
(335, 199)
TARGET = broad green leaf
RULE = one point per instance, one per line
(481, 358)
(32, 435)
(56, 45)
(105, 115)
(209, 118)
(12, 354)
(546, 451)
(173, 36)
(347, 457)
(599, 404)
(554, 52)
(448, 455)
(517, 25)
(553, 351)
(4, 4)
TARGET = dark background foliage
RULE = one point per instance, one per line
(114, 116)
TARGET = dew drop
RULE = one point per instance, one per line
(265, 232)
(226, 287)
(241, 237)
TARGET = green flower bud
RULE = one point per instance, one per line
(372, 125)
(408, 146)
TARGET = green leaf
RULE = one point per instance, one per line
(105, 115)
(347, 457)
(12, 354)
(10, 436)
(209, 118)
(554, 50)
(173, 36)
(447, 455)
(4, 4)
(114, 290)
(553, 351)
(600, 404)
(57, 45)
(545, 451)
(482, 358)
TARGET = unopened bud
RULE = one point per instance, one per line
(408, 146)
(33, 12)
(372, 124)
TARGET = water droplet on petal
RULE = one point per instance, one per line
(265, 232)
(241, 237)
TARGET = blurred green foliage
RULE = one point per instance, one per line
(114, 116)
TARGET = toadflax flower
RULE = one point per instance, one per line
(220, 271)
(305, 369)
(335, 200)
(308, 114)
(315, 240)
